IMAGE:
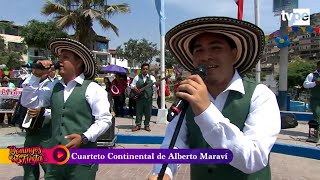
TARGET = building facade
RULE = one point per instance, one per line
(13, 40)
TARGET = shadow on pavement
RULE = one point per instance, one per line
(17, 178)
(294, 133)
(124, 126)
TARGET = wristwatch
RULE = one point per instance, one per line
(84, 139)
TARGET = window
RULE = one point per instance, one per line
(101, 46)
(36, 52)
(13, 46)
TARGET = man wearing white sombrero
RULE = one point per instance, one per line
(226, 110)
(79, 107)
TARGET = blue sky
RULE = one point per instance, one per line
(142, 22)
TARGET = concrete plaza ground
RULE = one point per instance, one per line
(284, 167)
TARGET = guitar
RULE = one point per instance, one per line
(136, 95)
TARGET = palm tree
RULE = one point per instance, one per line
(80, 14)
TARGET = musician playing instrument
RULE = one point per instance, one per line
(79, 107)
(143, 103)
(35, 137)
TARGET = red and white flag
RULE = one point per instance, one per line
(240, 8)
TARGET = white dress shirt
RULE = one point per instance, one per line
(250, 147)
(47, 112)
(135, 80)
(33, 96)
(308, 82)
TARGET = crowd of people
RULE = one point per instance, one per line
(122, 87)
(119, 91)
(7, 103)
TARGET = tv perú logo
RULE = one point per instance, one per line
(300, 17)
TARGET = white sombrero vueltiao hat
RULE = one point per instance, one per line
(248, 38)
(60, 44)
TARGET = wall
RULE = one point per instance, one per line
(119, 62)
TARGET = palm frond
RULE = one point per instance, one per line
(114, 9)
(65, 22)
(92, 13)
(107, 25)
(54, 8)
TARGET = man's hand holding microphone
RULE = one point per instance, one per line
(42, 67)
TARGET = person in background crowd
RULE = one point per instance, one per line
(10, 84)
(312, 82)
(166, 92)
(118, 86)
(108, 89)
(176, 85)
(124, 78)
(7, 103)
(132, 101)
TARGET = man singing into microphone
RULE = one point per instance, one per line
(226, 110)
(79, 107)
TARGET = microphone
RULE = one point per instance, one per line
(39, 66)
(177, 106)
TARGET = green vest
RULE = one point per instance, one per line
(148, 92)
(71, 117)
(236, 109)
(315, 91)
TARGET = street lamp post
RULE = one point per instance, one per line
(283, 77)
(257, 22)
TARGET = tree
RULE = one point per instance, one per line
(6, 25)
(79, 15)
(38, 34)
(9, 56)
(2, 45)
(137, 52)
(12, 60)
(298, 69)
(170, 60)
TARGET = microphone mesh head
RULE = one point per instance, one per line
(201, 70)
(57, 65)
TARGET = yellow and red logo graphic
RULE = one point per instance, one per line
(34, 155)
(60, 154)
(26, 155)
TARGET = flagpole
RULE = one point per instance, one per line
(162, 112)
(257, 22)
(162, 67)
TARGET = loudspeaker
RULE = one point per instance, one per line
(109, 135)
